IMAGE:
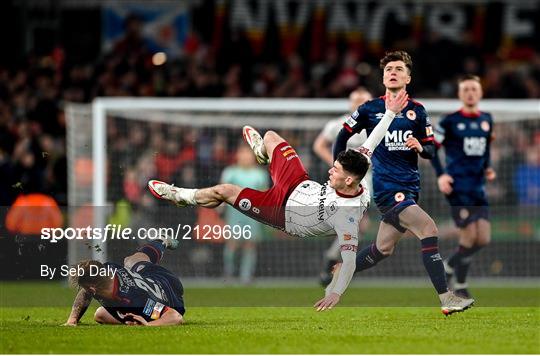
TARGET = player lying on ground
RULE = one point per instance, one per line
(138, 293)
(296, 204)
(396, 180)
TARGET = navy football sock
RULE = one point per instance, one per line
(464, 263)
(368, 257)
(433, 263)
(154, 250)
(455, 259)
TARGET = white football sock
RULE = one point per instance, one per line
(186, 195)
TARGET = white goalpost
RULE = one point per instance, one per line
(95, 131)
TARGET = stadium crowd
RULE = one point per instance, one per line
(32, 97)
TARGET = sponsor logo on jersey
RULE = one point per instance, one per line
(395, 140)
(461, 126)
(411, 115)
(429, 130)
(399, 197)
(348, 248)
(350, 121)
(474, 146)
(485, 126)
(245, 204)
(322, 199)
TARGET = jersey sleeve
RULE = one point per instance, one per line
(358, 120)
(487, 153)
(346, 227)
(424, 131)
(345, 224)
(440, 131)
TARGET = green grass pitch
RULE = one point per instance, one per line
(280, 320)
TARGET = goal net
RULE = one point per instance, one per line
(115, 145)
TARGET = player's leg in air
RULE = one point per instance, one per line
(266, 206)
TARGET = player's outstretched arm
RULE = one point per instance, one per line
(394, 105)
(80, 304)
(344, 277)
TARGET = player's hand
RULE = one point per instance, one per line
(327, 302)
(490, 174)
(137, 320)
(445, 182)
(413, 144)
(396, 103)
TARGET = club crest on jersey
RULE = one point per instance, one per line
(411, 115)
(485, 126)
(463, 213)
(399, 197)
(245, 204)
(347, 237)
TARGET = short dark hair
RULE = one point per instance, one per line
(84, 278)
(468, 77)
(396, 56)
(354, 162)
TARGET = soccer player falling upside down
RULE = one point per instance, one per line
(295, 203)
(396, 180)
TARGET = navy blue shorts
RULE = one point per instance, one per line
(171, 284)
(392, 203)
(468, 207)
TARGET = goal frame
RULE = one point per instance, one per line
(511, 108)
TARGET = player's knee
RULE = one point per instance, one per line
(429, 228)
(100, 316)
(272, 138)
(483, 240)
(386, 249)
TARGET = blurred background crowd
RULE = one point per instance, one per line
(66, 51)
